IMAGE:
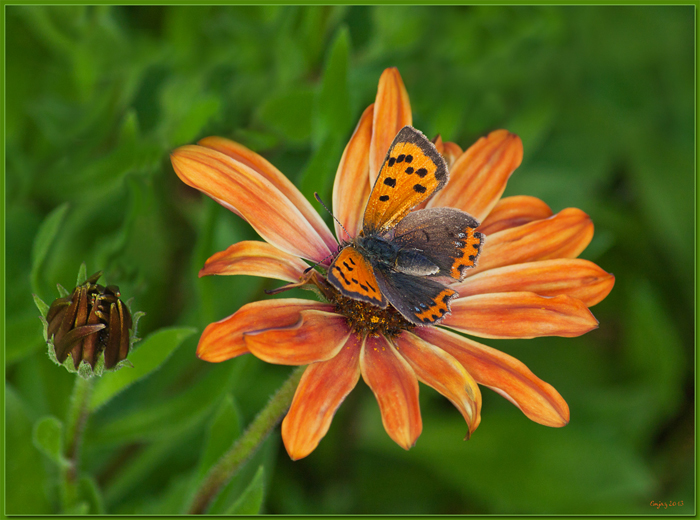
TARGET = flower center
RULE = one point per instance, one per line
(364, 318)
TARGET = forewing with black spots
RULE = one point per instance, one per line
(412, 172)
(353, 276)
(420, 300)
(445, 236)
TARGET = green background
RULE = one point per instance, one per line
(603, 99)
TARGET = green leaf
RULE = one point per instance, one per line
(150, 355)
(319, 171)
(90, 492)
(250, 501)
(223, 430)
(138, 469)
(78, 509)
(333, 107)
(47, 436)
(169, 418)
(43, 240)
(290, 113)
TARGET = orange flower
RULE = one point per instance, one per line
(528, 282)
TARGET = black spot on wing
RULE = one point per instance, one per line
(384, 198)
(342, 274)
(421, 172)
(409, 170)
(392, 160)
(400, 158)
(419, 188)
(408, 158)
(390, 181)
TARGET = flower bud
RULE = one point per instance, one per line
(91, 326)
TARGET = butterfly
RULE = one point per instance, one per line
(402, 257)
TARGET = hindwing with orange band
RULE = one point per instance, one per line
(445, 236)
(420, 300)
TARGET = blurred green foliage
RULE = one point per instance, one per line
(603, 98)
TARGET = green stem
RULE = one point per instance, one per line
(246, 445)
(76, 420)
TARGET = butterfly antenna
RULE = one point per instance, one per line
(318, 198)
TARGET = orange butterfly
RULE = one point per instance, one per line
(398, 255)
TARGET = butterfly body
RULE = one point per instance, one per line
(401, 257)
(392, 256)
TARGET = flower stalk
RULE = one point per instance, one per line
(246, 445)
(76, 421)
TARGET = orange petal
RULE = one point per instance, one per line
(254, 258)
(520, 315)
(247, 193)
(478, 177)
(317, 336)
(322, 389)
(392, 111)
(240, 153)
(451, 153)
(575, 277)
(538, 400)
(564, 235)
(395, 386)
(438, 369)
(514, 211)
(223, 339)
(351, 187)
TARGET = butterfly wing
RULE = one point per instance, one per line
(445, 236)
(421, 301)
(413, 171)
(353, 276)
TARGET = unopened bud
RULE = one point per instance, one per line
(91, 326)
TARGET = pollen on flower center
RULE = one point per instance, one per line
(366, 319)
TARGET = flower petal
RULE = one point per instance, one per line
(450, 151)
(317, 336)
(478, 177)
(564, 235)
(514, 211)
(240, 153)
(438, 369)
(520, 315)
(223, 339)
(538, 400)
(575, 277)
(244, 191)
(322, 389)
(254, 258)
(395, 386)
(392, 111)
(351, 186)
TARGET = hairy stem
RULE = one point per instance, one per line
(78, 414)
(246, 445)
